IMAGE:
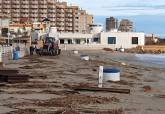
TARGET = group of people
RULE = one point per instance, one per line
(34, 47)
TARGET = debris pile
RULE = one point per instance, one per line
(12, 76)
(75, 100)
(147, 88)
(24, 111)
(144, 50)
(108, 49)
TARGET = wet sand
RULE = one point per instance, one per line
(48, 90)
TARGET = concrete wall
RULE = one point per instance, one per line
(123, 39)
(83, 46)
(74, 35)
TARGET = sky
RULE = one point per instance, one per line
(148, 15)
(122, 7)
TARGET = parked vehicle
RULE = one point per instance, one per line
(50, 47)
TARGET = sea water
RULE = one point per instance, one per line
(154, 59)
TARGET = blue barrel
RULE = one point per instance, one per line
(83, 55)
(111, 74)
(16, 55)
(110, 70)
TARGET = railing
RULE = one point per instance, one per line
(5, 54)
(83, 46)
(5, 49)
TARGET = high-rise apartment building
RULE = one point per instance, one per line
(126, 25)
(85, 20)
(62, 16)
(111, 23)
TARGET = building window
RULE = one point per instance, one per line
(111, 40)
(69, 41)
(134, 40)
(77, 41)
(61, 41)
(4, 32)
(96, 39)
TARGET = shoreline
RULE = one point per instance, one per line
(135, 59)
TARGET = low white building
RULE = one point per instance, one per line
(96, 39)
(111, 40)
(122, 39)
(92, 37)
(75, 38)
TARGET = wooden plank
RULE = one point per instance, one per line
(4, 71)
(113, 90)
(13, 78)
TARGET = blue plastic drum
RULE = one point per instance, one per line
(16, 55)
(111, 70)
(111, 74)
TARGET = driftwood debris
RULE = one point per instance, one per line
(7, 71)
(12, 76)
(113, 90)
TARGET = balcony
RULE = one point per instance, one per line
(15, 15)
(24, 15)
(33, 15)
(5, 14)
(53, 24)
(60, 10)
(6, 2)
(15, 10)
(42, 11)
(51, 6)
(53, 19)
(61, 28)
(25, 2)
(68, 20)
(43, 15)
(34, 19)
(60, 23)
(41, 19)
(43, 6)
(69, 15)
(69, 24)
(15, 19)
(7, 11)
(60, 15)
(76, 24)
(43, 2)
(33, 11)
(75, 15)
(6, 6)
(15, 6)
(34, 2)
(51, 15)
(60, 19)
(51, 11)
(25, 11)
(34, 6)
(69, 11)
(15, 2)
(24, 6)
(68, 28)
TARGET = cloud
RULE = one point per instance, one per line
(122, 7)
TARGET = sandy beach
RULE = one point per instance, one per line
(48, 90)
